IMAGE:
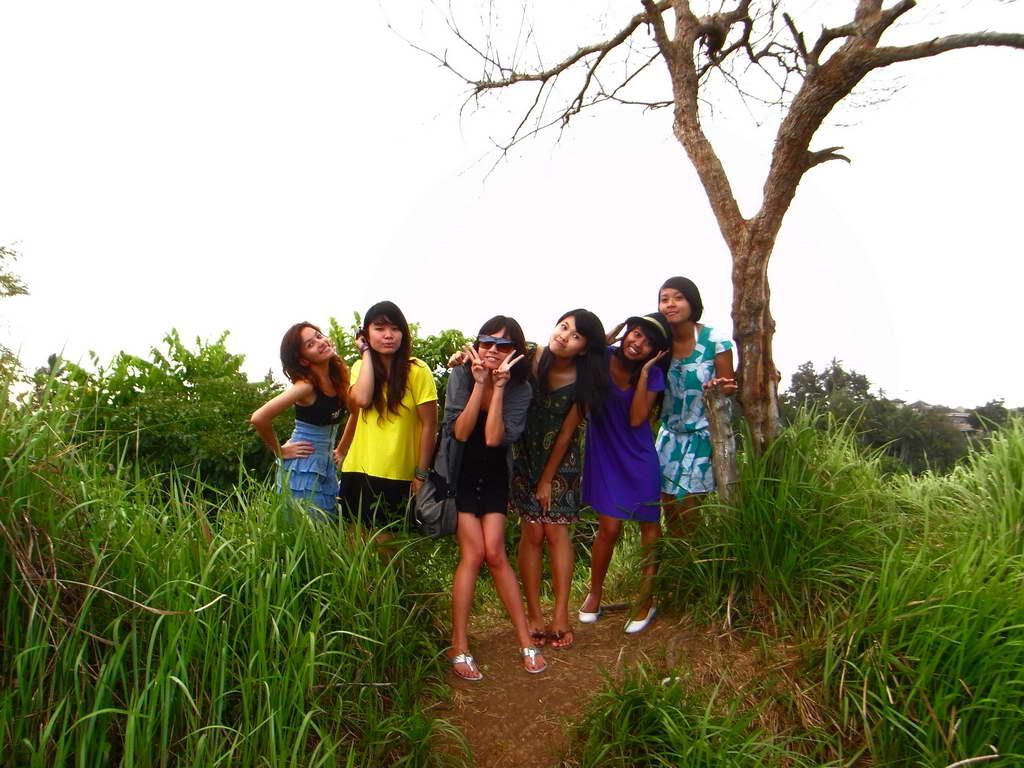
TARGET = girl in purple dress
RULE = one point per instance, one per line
(621, 475)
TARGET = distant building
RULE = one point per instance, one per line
(960, 419)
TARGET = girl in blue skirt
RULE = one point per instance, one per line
(320, 380)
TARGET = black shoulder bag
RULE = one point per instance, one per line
(432, 510)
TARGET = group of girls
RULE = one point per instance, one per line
(510, 439)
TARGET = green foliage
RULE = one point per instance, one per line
(926, 660)
(345, 338)
(992, 415)
(913, 439)
(137, 634)
(806, 525)
(639, 723)
(184, 408)
(188, 408)
(902, 591)
(10, 285)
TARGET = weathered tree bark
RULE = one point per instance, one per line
(723, 444)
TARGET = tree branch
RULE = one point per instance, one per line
(479, 86)
(797, 36)
(883, 57)
(654, 12)
(823, 156)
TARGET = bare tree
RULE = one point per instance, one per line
(741, 40)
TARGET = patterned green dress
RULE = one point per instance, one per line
(530, 454)
(683, 442)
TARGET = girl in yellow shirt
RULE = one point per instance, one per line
(389, 440)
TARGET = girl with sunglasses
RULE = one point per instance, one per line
(571, 380)
(389, 442)
(485, 412)
(319, 382)
(621, 476)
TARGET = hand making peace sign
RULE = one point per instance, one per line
(477, 367)
(502, 373)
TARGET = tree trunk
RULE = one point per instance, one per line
(723, 444)
(753, 330)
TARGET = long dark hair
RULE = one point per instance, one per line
(398, 377)
(655, 329)
(291, 362)
(521, 370)
(591, 366)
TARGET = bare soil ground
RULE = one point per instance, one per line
(512, 718)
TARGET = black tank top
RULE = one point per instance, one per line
(482, 461)
(324, 410)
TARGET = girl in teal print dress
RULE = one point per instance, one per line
(701, 359)
(571, 381)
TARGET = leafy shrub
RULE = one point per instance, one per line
(184, 408)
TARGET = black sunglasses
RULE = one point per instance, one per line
(486, 342)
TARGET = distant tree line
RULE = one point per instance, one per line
(913, 437)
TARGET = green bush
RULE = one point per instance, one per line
(184, 409)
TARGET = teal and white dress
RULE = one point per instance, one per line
(683, 442)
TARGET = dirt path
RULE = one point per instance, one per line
(512, 718)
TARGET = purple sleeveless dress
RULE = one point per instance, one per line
(621, 474)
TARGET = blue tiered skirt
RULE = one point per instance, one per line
(313, 478)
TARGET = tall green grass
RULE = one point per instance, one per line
(927, 659)
(138, 632)
(904, 594)
(811, 519)
(639, 723)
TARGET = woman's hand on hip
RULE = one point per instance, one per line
(297, 450)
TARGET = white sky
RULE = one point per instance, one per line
(238, 166)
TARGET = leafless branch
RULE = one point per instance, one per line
(826, 37)
(653, 11)
(545, 75)
(797, 36)
(823, 156)
(883, 57)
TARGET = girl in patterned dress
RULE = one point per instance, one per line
(571, 379)
(701, 359)
(319, 382)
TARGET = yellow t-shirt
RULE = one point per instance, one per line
(390, 446)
